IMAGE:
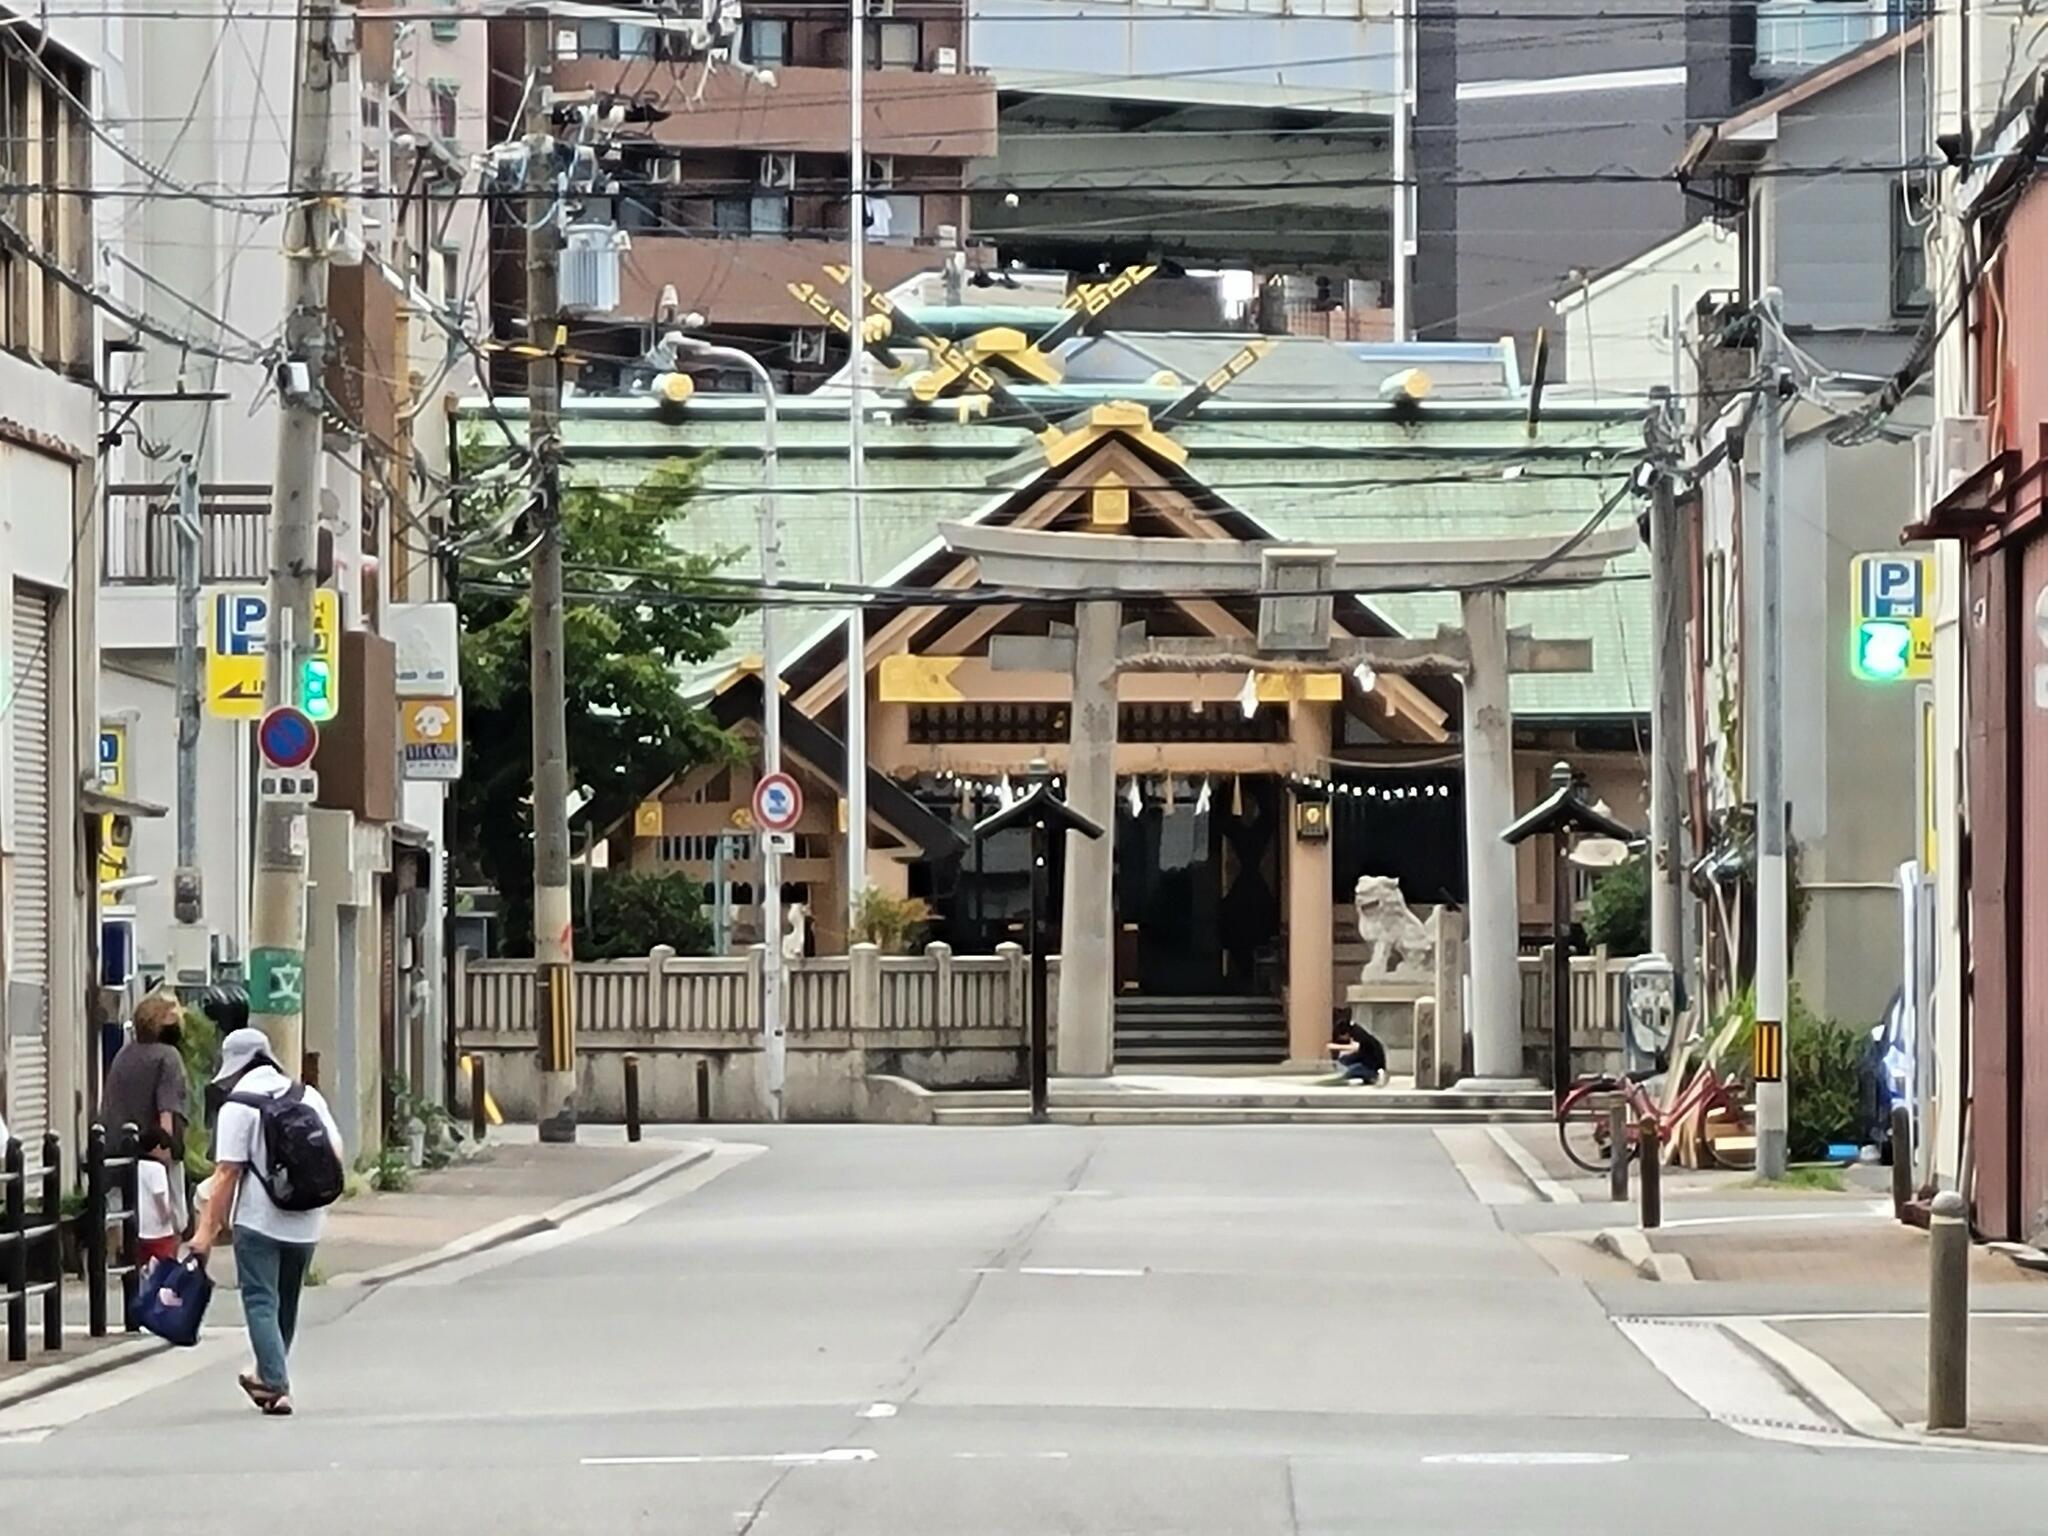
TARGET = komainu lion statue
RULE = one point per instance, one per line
(1403, 945)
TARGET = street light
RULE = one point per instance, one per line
(775, 1037)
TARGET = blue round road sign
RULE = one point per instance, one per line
(287, 737)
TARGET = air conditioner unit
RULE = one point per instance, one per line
(946, 61)
(881, 7)
(1961, 445)
(666, 171)
(807, 346)
(777, 171)
(948, 234)
(881, 171)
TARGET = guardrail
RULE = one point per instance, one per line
(32, 1249)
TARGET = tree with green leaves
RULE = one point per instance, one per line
(630, 628)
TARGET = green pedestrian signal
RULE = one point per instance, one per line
(1884, 649)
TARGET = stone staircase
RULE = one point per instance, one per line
(1200, 1031)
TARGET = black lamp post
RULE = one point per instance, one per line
(1566, 813)
(1045, 813)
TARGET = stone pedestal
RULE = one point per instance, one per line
(1387, 1008)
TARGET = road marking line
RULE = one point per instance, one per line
(1876, 1208)
(724, 1157)
(879, 1411)
(1532, 1170)
(27, 1437)
(1010, 1456)
(1065, 1272)
(839, 1454)
(1525, 1459)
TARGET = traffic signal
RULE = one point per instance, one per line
(316, 687)
(1884, 649)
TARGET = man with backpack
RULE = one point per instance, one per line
(277, 1166)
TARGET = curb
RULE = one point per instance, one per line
(1632, 1247)
(65, 1373)
(513, 1228)
(1527, 1165)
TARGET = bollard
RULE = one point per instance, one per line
(632, 1097)
(14, 1273)
(131, 1226)
(96, 1231)
(1651, 1155)
(309, 1069)
(479, 1116)
(53, 1220)
(1948, 1313)
(1902, 1160)
(703, 1092)
(1617, 1153)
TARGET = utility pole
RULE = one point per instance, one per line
(1773, 959)
(856, 467)
(187, 891)
(1667, 689)
(554, 938)
(277, 906)
(774, 1027)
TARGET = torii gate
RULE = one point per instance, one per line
(1297, 585)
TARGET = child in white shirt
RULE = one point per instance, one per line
(156, 1208)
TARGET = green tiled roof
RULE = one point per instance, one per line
(1303, 473)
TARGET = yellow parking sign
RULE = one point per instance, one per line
(234, 654)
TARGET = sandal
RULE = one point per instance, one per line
(259, 1394)
(279, 1407)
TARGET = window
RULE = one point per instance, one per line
(766, 42)
(893, 44)
(597, 39)
(636, 42)
(1909, 255)
(441, 94)
(762, 213)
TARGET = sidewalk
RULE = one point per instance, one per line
(503, 1191)
(1826, 1287)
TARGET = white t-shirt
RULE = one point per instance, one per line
(238, 1139)
(156, 1214)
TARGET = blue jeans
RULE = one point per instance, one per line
(272, 1274)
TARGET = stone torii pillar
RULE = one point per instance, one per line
(1294, 637)
(1491, 903)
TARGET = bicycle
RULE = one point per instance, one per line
(1583, 1129)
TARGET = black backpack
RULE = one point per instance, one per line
(305, 1166)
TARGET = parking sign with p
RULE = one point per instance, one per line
(1893, 640)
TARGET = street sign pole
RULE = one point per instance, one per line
(778, 805)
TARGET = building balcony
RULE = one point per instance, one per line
(745, 282)
(908, 112)
(1794, 36)
(142, 535)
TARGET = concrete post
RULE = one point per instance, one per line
(657, 985)
(1450, 1001)
(941, 957)
(1423, 1032)
(1087, 948)
(1902, 1160)
(864, 985)
(1019, 1003)
(1490, 863)
(1948, 1313)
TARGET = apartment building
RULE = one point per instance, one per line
(732, 178)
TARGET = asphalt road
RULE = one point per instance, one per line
(1005, 1332)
